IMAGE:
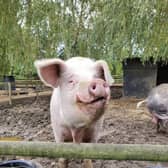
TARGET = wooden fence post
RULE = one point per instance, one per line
(10, 93)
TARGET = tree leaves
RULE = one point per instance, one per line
(107, 29)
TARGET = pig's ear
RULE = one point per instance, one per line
(49, 71)
(103, 71)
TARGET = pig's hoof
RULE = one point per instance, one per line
(87, 163)
(62, 163)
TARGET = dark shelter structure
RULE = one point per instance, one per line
(139, 78)
(162, 73)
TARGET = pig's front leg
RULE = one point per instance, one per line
(95, 131)
(78, 136)
(87, 163)
(62, 162)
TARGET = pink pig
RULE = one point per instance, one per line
(80, 95)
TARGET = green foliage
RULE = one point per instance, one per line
(107, 29)
(133, 28)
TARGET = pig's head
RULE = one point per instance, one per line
(83, 84)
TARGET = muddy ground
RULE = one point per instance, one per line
(122, 124)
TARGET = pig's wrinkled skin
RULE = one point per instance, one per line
(157, 103)
(80, 96)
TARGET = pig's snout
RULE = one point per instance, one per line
(94, 91)
(98, 88)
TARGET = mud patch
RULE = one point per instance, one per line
(123, 123)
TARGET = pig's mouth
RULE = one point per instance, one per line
(92, 101)
(99, 99)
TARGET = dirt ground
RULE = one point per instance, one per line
(122, 124)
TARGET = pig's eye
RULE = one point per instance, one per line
(70, 81)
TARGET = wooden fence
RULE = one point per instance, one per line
(139, 152)
(23, 89)
(31, 87)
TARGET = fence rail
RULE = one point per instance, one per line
(22, 87)
(139, 152)
(36, 86)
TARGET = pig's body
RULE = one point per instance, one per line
(157, 103)
(80, 96)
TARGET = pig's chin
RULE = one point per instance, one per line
(93, 109)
